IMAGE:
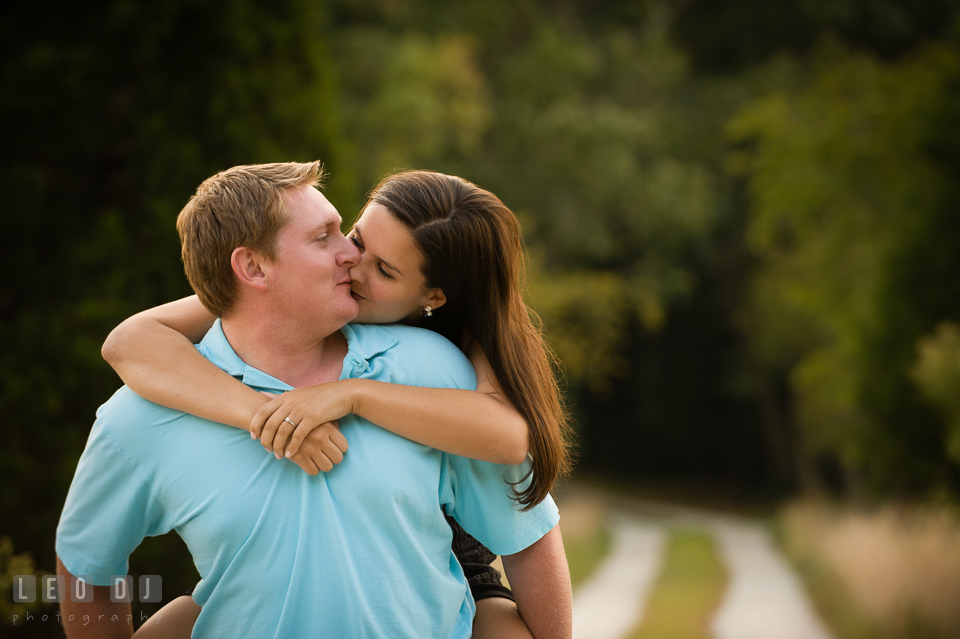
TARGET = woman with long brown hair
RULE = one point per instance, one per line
(438, 252)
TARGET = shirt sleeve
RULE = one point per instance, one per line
(109, 510)
(479, 495)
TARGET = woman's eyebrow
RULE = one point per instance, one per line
(390, 266)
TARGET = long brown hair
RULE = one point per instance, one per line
(473, 250)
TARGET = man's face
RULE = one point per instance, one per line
(310, 279)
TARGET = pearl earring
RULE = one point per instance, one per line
(427, 311)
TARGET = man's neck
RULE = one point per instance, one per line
(297, 357)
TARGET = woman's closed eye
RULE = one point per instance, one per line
(355, 238)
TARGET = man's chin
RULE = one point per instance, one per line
(353, 312)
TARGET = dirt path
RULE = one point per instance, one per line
(764, 598)
(611, 602)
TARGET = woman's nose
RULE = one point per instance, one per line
(356, 272)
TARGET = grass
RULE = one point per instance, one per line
(688, 590)
(889, 574)
(585, 552)
(585, 528)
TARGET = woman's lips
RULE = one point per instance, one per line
(355, 296)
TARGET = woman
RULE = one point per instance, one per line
(439, 252)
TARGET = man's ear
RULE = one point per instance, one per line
(435, 298)
(248, 266)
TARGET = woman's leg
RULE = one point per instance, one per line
(173, 621)
(497, 618)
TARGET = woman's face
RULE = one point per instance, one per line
(387, 282)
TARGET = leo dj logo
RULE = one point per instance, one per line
(81, 588)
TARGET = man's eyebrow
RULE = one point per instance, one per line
(327, 225)
(356, 229)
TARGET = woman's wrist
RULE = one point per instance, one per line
(246, 410)
(356, 393)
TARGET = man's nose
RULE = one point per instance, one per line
(350, 254)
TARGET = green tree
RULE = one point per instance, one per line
(113, 113)
(851, 218)
(937, 374)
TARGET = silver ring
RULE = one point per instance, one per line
(287, 419)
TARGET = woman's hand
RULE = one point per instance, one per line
(321, 450)
(283, 423)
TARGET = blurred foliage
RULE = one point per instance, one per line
(740, 215)
(736, 34)
(937, 373)
(853, 220)
(12, 565)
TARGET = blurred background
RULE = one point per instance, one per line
(741, 219)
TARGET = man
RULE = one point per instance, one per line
(361, 552)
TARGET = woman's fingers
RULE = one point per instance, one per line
(302, 431)
(304, 428)
(337, 437)
(323, 462)
(333, 443)
(328, 434)
(284, 431)
(273, 424)
(307, 464)
(325, 446)
(262, 415)
(333, 453)
(312, 451)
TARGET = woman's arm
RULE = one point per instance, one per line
(540, 579)
(154, 355)
(479, 425)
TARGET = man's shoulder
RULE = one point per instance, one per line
(126, 406)
(402, 340)
(417, 356)
(130, 421)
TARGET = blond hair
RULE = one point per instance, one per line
(242, 206)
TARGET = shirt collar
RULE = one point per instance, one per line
(368, 340)
(363, 342)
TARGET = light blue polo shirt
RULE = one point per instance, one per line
(361, 551)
